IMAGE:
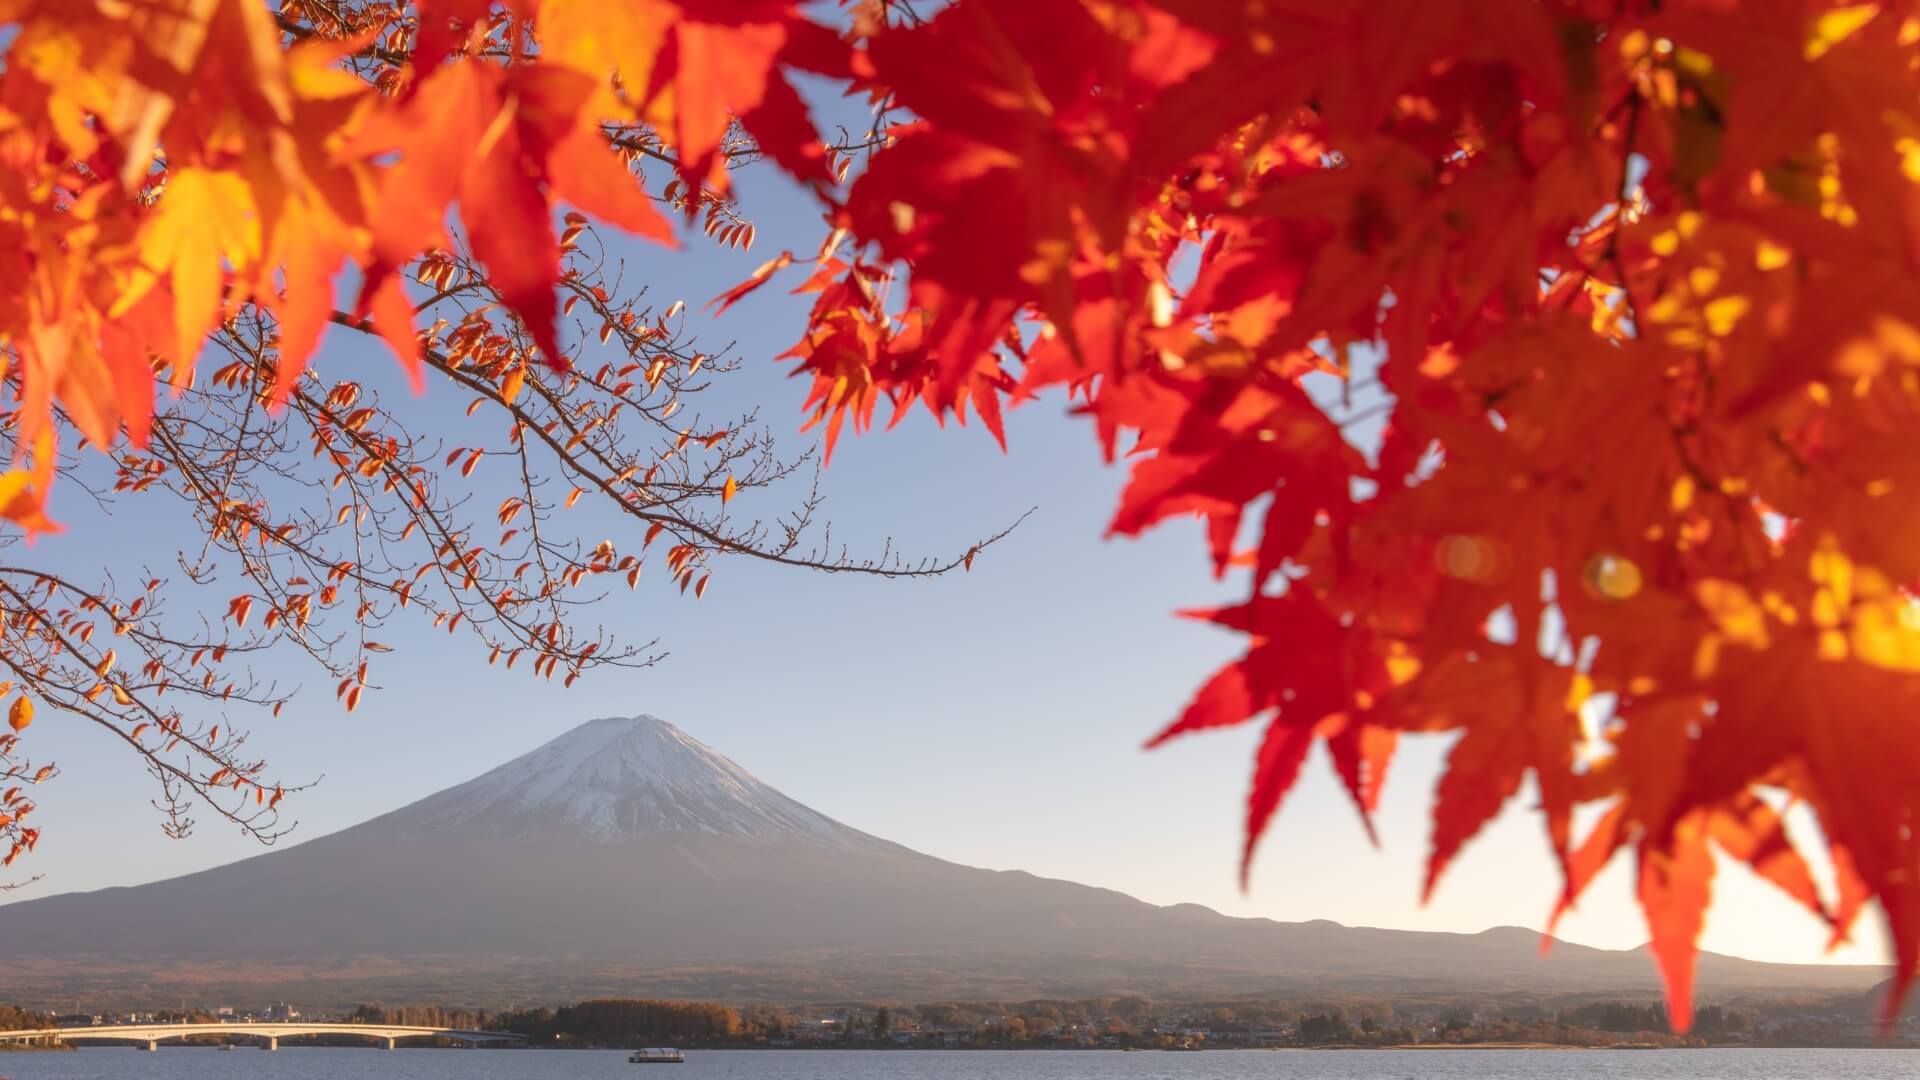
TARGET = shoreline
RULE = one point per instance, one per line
(1435, 1046)
(1330, 1048)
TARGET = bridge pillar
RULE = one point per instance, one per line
(390, 1041)
(153, 1044)
(273, 1042)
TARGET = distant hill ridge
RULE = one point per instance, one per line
(626, 856)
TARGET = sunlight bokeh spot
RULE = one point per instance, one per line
(1613, 576)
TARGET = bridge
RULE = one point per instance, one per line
(151, 1035)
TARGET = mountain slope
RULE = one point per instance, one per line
(626, 857)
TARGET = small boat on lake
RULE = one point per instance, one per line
(655, 1055)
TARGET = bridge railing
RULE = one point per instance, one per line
(272, 1032)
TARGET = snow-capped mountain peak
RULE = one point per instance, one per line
(618, 778)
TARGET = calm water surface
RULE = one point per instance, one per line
(329, 1063)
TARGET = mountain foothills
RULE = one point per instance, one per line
(626, 857)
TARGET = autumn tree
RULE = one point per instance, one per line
(177, 223)
(1545, 369)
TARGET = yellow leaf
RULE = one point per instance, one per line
(727, 493)
(21, 713)
(1734, 612)
(205, 216)
(1723, 313)
(596, 38)
(1835, 26)
(1681, 496)
(21, 502)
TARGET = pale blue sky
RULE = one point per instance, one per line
(993, 718)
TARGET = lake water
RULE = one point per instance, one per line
(331, 1063)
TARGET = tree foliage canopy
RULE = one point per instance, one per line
(1629, 284)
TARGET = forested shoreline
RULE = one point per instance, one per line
(1137, 1022)
(1101, 1023)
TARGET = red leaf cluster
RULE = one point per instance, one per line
(1550, 368)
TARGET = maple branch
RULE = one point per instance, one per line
(210, 447)
(302, 32)
(590, 463)
(1636, 104)
(719, 541)
(68, 674)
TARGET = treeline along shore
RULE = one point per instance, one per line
(1111, 1023)
(15, 1019)
(1138, 1022)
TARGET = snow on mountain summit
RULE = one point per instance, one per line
(621, 777)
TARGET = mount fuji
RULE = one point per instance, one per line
(615, 781)
(626, 857)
